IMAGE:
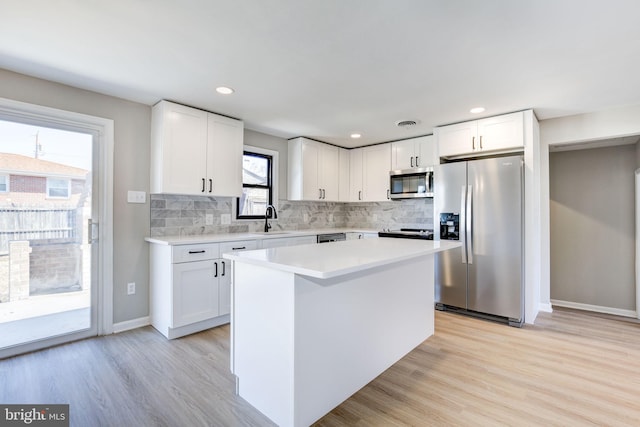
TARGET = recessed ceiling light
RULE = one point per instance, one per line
(224, 90)
(476, 110)
(355, 135)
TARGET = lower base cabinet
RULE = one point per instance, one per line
(191, 286)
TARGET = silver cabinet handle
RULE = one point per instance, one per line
(319, 193)
(470, 223)
(359, 194)
(238, 248)
(223, 268)
(481, 142)
(416, 161)
(473, 143)
(388, 196)
(412, 161)
(324, 194)
(197, 252)
(216, 272)
(210, 185)
(203, 184)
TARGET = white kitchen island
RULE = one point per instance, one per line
(312, 324)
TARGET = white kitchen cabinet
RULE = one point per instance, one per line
(355, 175)
(344, 188)
(224, 272)
(413, 153)
(288, 241)
(195, 292)
(369, 173)
(190, 286)
(314, 170)
(376, 164)
(492, 135)
(195, 152)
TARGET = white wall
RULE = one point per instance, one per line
(593, 228)
(132, 123)
(601, 125)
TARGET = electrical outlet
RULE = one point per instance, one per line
(330, 217)
(225, 219)
(305, 218)
(208, 219)
(131, 288)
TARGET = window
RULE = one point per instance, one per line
(4, 183)
(257, 184)
(58, 188)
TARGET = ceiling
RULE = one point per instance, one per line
(328, 68)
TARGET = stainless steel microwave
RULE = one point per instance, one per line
(411, 183)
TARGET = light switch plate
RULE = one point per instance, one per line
(136, 197)
(225, 219)
(208, 219)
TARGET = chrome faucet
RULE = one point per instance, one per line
(269, 213)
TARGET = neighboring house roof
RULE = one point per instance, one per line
(17, 164)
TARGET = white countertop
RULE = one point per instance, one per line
(334, 259)
(233, 237)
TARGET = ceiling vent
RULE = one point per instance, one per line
(405, 124)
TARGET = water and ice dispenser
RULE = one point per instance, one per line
(449, 226)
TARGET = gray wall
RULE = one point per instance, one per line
(593, 226)
(132, 123)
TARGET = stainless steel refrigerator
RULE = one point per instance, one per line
(481, 204)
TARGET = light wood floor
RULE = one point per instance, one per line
(570, 369)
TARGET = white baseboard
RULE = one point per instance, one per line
(131, 324)
(546, 307)
(595, 308)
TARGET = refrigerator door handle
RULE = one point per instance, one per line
(469, 224)
(463, 221)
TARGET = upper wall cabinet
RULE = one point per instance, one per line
(195, 152)
(413, 153)
(369, 172)
(479, 137)
(314, 171)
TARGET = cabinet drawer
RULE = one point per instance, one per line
(187, 253)
(242, 245)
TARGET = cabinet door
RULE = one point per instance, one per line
(502, 132)
(310, 163)
(344, 189)
(355, 175)
(224, 156)
(376, 162)
(403, 154)
(195, 292)
(179, 140)
(329, 172)
(224, 290)
(458, 139)
(424, 150)
(224, 272)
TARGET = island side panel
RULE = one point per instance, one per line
(263, 331)
(352, 328)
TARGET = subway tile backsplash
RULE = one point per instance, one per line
(173, 215)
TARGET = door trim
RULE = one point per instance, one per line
(103, 130)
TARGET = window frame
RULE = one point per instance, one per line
(7, 181)
(272, 177)
(49, 187)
